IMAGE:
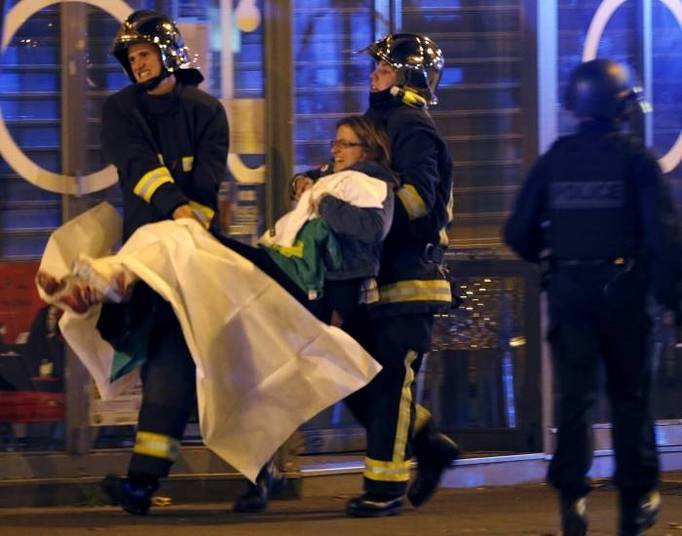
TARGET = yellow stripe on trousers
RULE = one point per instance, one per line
(156, 445)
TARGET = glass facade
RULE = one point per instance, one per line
(482, 378)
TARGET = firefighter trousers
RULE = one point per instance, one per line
(386, 406)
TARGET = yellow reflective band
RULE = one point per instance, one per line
(204, 213)
(402, 428)
(421, 417)
(443, 238)
(150, 182)
(387, 471)
(290, 251)
(416, 290)
(412, 201)
(156, 446)
(369, 291)
(187, 163)
(161, 159)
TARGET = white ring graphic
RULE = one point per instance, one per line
(10, 151)
(601, 18)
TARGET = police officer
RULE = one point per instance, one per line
(597, 211)
(413, 283)
(168, 141)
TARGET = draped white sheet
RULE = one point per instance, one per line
(264, 364)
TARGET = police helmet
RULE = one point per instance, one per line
(603, 88)
(417, 60)
(146, 26)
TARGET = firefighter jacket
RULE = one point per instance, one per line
(169, 150)
(412, 278)
(597, 196)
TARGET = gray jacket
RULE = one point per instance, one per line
(360, 231)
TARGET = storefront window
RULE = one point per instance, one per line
(227, 38)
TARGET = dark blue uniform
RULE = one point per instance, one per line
(169, 150)
(597, 210)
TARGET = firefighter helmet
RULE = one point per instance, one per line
(603, 88)
(418, 61)
(146, 26)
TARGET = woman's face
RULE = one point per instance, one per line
(347, 149)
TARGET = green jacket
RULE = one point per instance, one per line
(306, 262)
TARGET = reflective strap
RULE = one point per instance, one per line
(416, 290)
(443, 238)
(204, 213)
(369, 291)
(412, 201)
(402, 428)
(451, 208)
(289, 251)
(156, 446)
(150, 182)
(161, 159)
(387, 471)
(187, 163)
(421, 417)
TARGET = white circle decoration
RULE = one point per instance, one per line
(602, 16)
(10, 151)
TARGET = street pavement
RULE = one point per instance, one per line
(503, 511)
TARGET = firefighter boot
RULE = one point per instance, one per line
(434, 454)
(374, 505)
(134, 497)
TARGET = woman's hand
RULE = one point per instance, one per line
(300, 184)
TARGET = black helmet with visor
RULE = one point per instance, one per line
(603, 88)
(417, 60)
(146, 26)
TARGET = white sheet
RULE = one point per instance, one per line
(265, 365)
(354, 187)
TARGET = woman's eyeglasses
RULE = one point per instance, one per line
(343, 144)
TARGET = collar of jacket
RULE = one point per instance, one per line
(599, 125)
(376, 171)
(382, 100)
(161, 104)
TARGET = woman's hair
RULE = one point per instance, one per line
(375, 141)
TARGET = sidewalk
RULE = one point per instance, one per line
(501, 511)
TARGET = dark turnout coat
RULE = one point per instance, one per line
(169, 150)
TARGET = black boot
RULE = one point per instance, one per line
(256, 498)
(374, 505)
(434, 453)
(573, 516)
(134, 497)
(638, 515)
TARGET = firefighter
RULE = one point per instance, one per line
(598, 213)
(169, 142)
(413, 283)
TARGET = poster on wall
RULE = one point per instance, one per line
(122, 410)
(31, 349)
(19, 301)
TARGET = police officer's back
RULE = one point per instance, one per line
(597, 213)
